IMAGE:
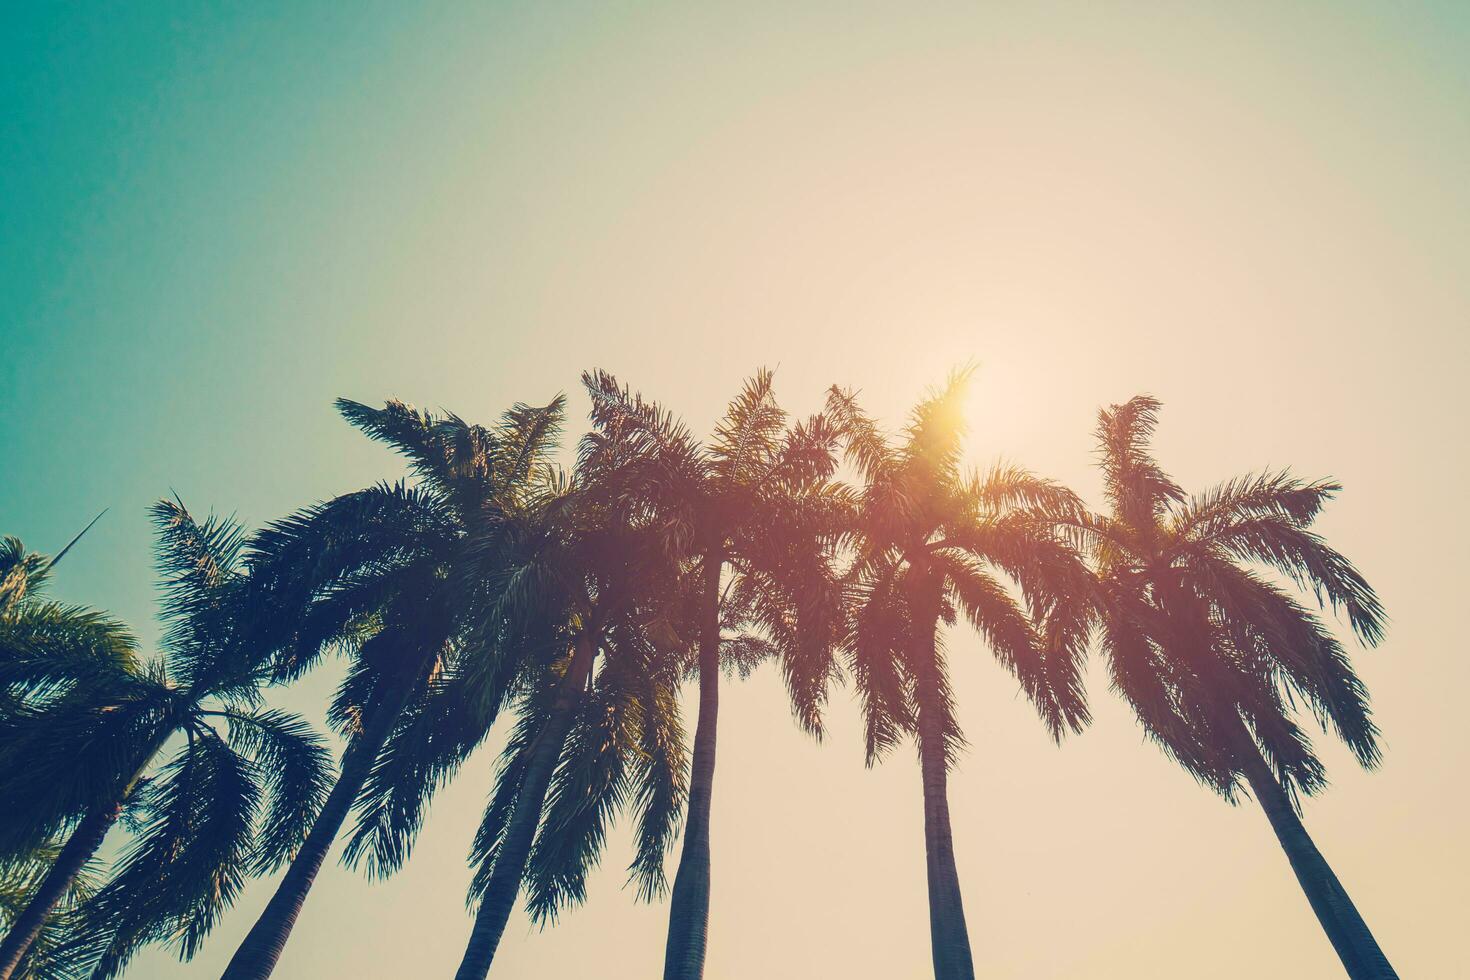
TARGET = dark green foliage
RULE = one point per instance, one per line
(403, 579)
(90, 719)
(50, 956)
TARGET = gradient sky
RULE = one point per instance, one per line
(214, 218)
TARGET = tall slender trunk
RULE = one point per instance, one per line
(689, 901)
(1349, 934)
(80, 847)
(262, 947)
(948, 935)
(520, 832)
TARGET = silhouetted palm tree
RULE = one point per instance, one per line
(47, 651)
(81, 746)
(42, 642)
(1213, 654)
(591, 588)
(41, 646)
(931, 543)
(394, 574)
(756, 502)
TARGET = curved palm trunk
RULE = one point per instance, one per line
(261, 949)
(689, 901)
(1349, 934)
(79, 848)
(520, 832)
(948, 935)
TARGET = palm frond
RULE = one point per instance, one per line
(1137, 488)
(1295, 648)
(528, 436)
(1264, 494)
(355, 546)
(50, 956)
(49, 648)
(1006, 487)
(509, 778)
(296, 770)
(445, 722)
(22, 573)
(71, 755)
(660, 778)
(188, 863)
(412, 432)
(876, 653)
(1012, 638)
(747, 438)
(934, 437)
(198, 564)
(1313, 565)
(590, 785)
(863, 443)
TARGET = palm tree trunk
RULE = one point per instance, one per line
(689, 901)
(78, 850)
(520, 832)
(948, 935)
(1349, 934)
(262, 947)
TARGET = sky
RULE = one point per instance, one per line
(215, 218)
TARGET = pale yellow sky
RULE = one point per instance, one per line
(1259, 214)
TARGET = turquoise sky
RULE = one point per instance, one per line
(215, 218)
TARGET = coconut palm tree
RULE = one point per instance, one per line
(82, 747)
(48, 650)
(931, 543)
(393, 574)
(1211, 650)
(589, 588)
(42, 641)
(752, 515)
(42, 644)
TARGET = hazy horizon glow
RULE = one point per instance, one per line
(216, 218)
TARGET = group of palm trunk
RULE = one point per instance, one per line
(492, 582)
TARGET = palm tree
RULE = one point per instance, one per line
(47, 652)
(930, 543)
(30, 627)
(1211, 651)
(41, 640)
(392, 573)
(589, 589)
(82, 743)
(756, 503)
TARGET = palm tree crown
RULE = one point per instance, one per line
(491, 580)
(83, 749)
(1199, 637)
(931, 543)
(757, 502)
(1213, 653)
(590, 593)
(396, 574)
